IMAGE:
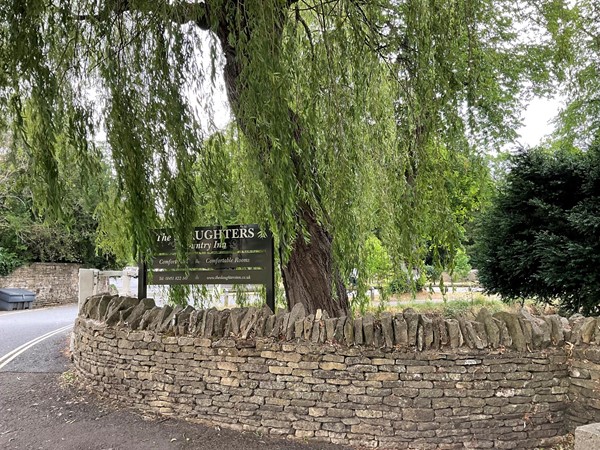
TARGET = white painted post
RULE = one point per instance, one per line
(86, 284)
(126, 283)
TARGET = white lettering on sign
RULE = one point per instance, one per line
(218, 234)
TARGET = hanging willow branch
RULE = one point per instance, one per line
(350, 117)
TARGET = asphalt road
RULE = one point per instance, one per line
(31, 340)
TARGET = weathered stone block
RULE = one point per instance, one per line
(195, 321)
(505, 338)
(588, 329)
(235, 320)
(88, 304)
(349, 332)
(367, 330)
(249, 321)
(440, 333)
(169, 319)
(206, 326)
(269, 324)
(297, 313)
(358, 331)
(330, 329)
(382, 376)
(576, 322)
(424, 333)
(491, 329)
(515, 331)
(259, 327)
(400, 331)
(220, 324)
(308, 326)
(454, 333)
(277, 330)
(480, 335)
(316, 331)
(387, 329)
(418, 414)
(540, 329)
(557, 336)
(332, 366)
(99, 311)
(338, 334)
(148, 317)
(133, 320)
(160, 318)
(412, 321)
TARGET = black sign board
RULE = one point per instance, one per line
(238, 254)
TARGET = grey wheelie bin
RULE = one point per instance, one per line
(11, 299)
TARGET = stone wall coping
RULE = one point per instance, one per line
(520, 331)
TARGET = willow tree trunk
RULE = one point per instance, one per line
(310, 276)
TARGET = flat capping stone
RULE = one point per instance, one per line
(587, 437)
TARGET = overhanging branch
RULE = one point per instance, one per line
(179, 13)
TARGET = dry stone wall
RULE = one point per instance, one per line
(52, 283)
(398, 381)
(583, 351)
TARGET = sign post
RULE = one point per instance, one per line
(237, 254)
(142, 280)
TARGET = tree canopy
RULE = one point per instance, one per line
(579, 122)
(349, 115)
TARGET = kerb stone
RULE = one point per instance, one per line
(587, 437)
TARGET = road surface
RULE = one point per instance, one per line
(32, 340)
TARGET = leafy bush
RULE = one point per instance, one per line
(541, 237)
(404, 283)
(8, 261)
(462, 267)
(432, 273)
(377, 262)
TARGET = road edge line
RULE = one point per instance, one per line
(5, 359)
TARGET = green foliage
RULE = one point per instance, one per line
(366, 114)
(404, 283)
(579, 39)
(541, 237)
(462, 266)
(377, 262)
(453, 260)
(432, 273)
(30, 234)
(8, 261)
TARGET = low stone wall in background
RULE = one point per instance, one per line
(52, 283)
(399, 381)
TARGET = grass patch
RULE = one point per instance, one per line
(68, 378)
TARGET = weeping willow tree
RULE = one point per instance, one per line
(579, 121)
(349, 115)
